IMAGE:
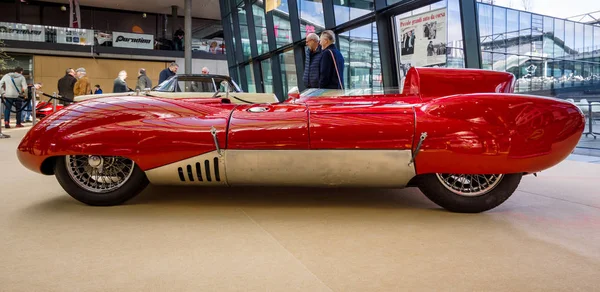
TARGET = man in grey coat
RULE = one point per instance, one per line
(143, 80)
(13, 88)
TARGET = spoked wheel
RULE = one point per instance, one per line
(100, 180)
(469, 193)
(468, 184)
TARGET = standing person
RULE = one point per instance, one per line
(97, 89)
(168, 72)
(204, 86)
(31, 101)
(430, 49)
(120, 84)
(331, 68)
(178, 39)
(66, 85)
(13, 88)
(143, 80)
(83, 85)
(313, 61)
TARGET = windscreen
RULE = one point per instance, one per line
(318, 92)
(196, 84)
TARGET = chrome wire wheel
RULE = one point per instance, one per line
(99, 174)
(470, 185)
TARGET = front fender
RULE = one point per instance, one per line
(150, 131)
(496, 133)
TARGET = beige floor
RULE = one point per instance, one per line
(545, 238)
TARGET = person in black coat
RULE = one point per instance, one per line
(178, 39)
(313, 61)
(331, 69)
(168, 72)
(66, 85)
(120, 84)
(143, 80)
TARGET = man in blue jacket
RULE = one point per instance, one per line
(313, 61)
(168, 72)
(332, 63)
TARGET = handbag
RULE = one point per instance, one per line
(336, 69)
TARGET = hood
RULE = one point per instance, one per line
(94, 96)
(15, 75)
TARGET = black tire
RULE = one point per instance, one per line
(132, 187)
(435, 190)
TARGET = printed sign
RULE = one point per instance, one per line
(133, 40)
(74, 36)
(423, 39)
(22, 32)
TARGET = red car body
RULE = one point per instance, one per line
(44, 109)
(473, 122)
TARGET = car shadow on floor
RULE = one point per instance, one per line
(181, 205)
(283, 197)
(179, 200)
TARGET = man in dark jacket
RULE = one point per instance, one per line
(66, 85)
(168, 72)
(312, 62)
(178, 39)
(143, 81)
(331, 71)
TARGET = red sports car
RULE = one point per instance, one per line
(45, 108)
(459, 135)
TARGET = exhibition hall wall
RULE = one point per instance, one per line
(48, 69)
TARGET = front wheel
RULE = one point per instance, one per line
(100, 180)
(469, 193)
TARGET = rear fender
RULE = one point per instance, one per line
(495, 133)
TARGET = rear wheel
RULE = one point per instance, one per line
(100, 180)
(469, 193)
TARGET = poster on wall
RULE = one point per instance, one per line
(133, 40)
(22, 32)
(74, 36)
(423, 39)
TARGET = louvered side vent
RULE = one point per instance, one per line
(201, 172)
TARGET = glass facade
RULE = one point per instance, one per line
(545, 54)
(362, 66)
(345, 10)
(282, 25)
(311, 16)
(267, 75)
(289, 78)
(260, 27)
(250, 84)
(244, 33)
(279, 51)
